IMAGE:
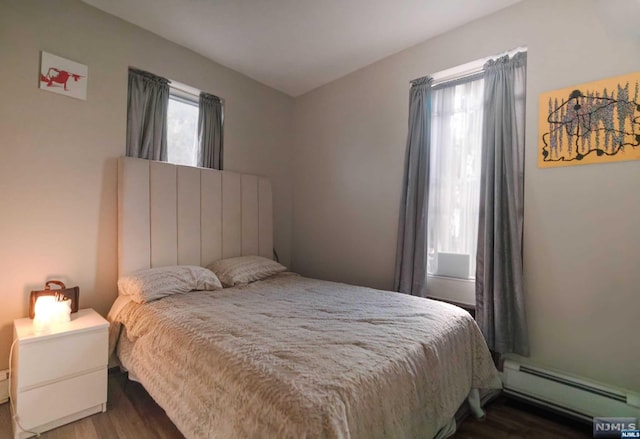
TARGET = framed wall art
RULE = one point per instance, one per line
(63, 76)
(597, 122)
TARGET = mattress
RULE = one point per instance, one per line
(292, 357)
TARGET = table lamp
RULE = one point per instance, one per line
(51, 311)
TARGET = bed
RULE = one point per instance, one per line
(285, 356)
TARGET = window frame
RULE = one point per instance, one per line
(461, 74)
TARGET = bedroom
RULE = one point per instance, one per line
(59, 168)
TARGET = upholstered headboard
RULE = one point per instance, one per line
(181, 215)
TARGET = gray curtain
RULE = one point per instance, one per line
(500, 306)
(210, 132)
(147, 106)
(411, 252)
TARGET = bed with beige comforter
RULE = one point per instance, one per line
(291, 357)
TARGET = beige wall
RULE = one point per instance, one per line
(58, 168)
(58, 154)
(582, 236)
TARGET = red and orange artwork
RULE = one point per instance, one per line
(63, 76)
(58, 77)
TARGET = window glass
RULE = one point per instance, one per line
(182, 125)
(454, 184)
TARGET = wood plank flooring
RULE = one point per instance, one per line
(509, 419)
(132, 414)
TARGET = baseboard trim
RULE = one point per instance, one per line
(546, 406)
(4, 386)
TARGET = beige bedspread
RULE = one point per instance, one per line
(291, 357)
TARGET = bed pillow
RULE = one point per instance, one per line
(244, 269)
(155, 283)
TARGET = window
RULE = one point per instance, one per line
(182, 130)
(173, 122)
(454, 185)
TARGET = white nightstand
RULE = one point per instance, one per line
(59, 376)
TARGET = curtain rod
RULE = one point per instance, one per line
(178, 86)
(457, 76)
(475, 67)
(184, 91)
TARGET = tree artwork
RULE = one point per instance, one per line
(591, 123)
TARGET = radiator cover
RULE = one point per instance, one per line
(572, 395)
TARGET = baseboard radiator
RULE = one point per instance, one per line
(574, 396)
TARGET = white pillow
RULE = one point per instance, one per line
(244, 269)
(155, 283)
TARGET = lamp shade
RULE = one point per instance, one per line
(50, 311)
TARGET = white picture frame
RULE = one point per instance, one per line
(63, 76)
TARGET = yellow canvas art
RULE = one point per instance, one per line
(597, 122)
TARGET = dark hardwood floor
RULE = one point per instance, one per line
(510, 419)
(132, 414)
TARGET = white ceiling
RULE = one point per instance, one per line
(298, 45)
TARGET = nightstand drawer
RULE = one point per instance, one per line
(45, 404)
(51, 359)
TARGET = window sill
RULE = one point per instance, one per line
(453, 290)
(471, 309)
(460, 279)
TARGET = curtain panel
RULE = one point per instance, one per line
(411, 252)
(500, 305)
(147, 104)
(210, 132)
